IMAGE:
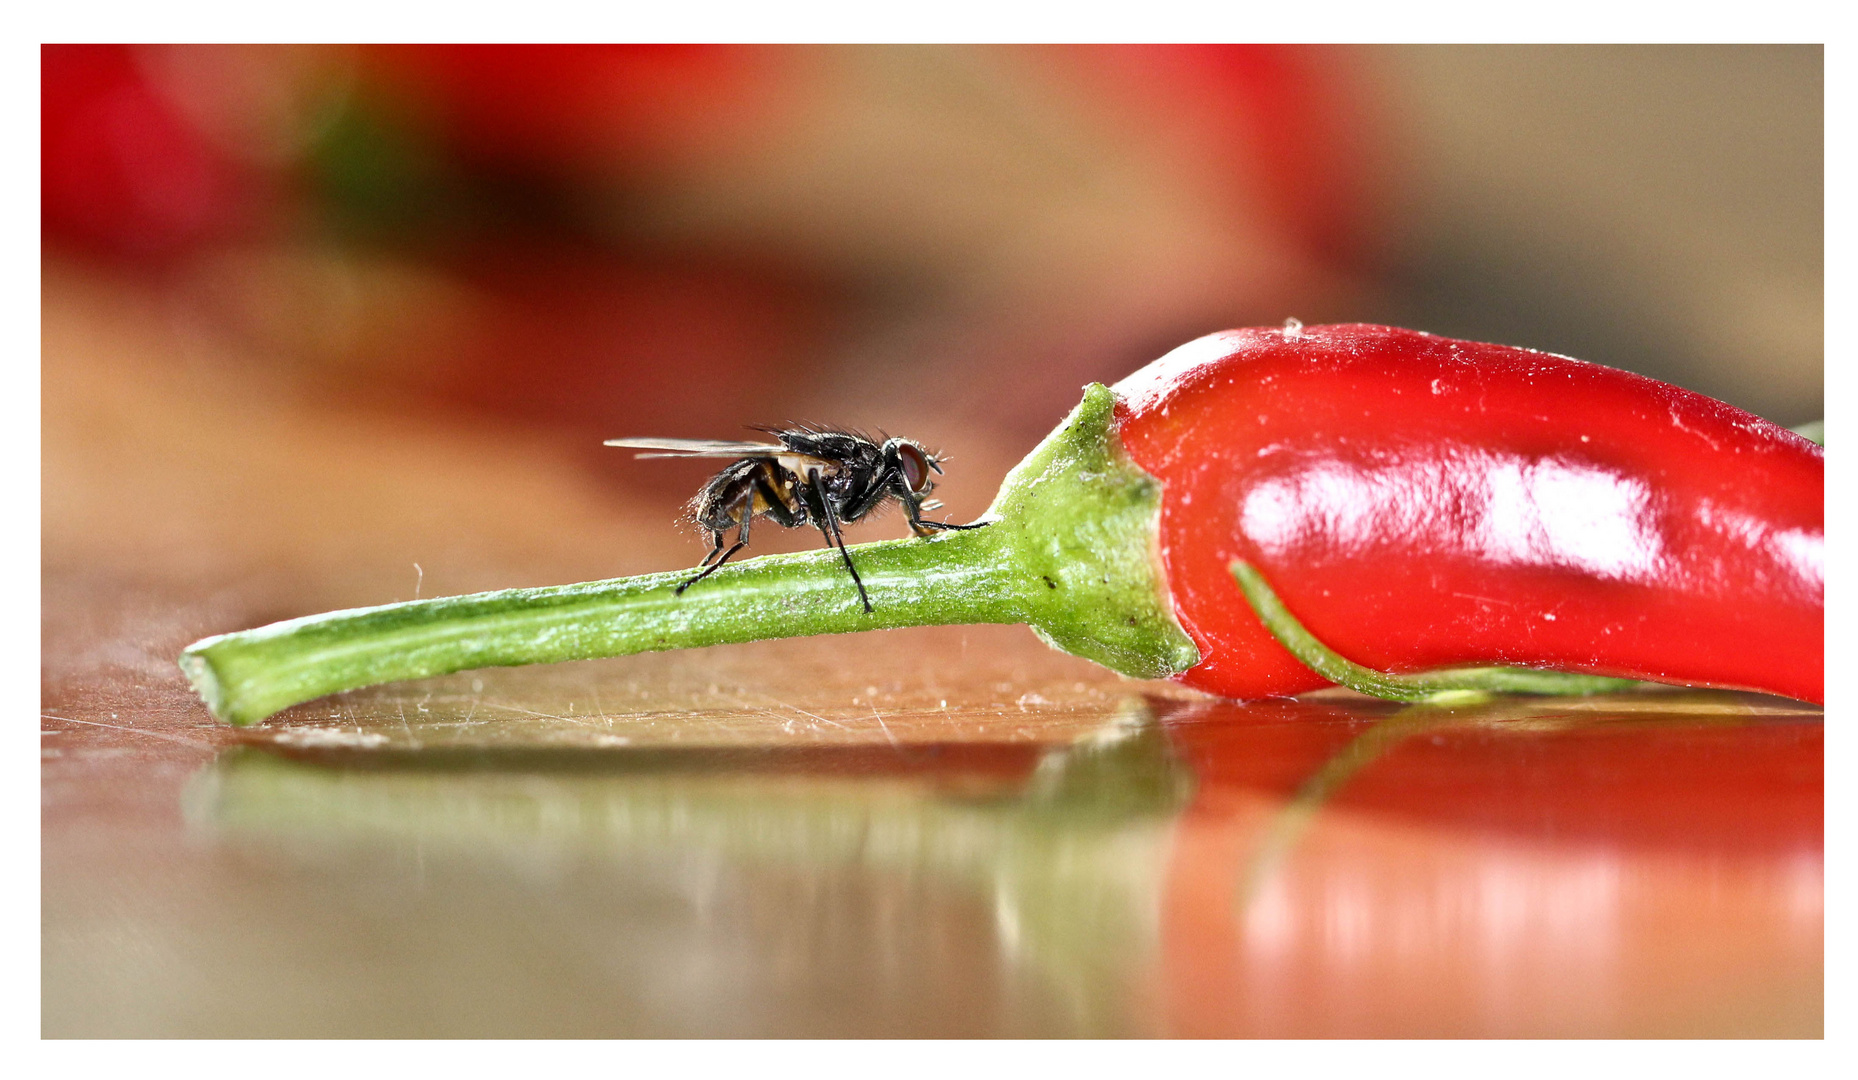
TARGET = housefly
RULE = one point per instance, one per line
(817, 476)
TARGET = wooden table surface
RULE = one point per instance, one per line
(945, 831)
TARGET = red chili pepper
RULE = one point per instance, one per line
(1258, 513)
(1419, 502)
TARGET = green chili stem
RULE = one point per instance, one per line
(1451, 684)
(954, 577)
(1069, 550)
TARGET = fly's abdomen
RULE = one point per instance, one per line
(742, 490)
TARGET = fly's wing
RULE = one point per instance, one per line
(722, 448)
(708, 448)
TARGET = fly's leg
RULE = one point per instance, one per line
(706, 567)
(830, 527)
(717, 539)
(776, 506)
(922, 526)
(772, 505)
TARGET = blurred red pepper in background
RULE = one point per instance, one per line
(123, 170)
(582, 110)
(696, 237)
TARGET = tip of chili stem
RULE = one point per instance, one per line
(205, 681)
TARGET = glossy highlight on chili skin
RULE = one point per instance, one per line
(1420, 502)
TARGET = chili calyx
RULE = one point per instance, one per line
(1489, 518)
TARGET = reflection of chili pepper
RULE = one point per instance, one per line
(1343, 874)
(1403, 500)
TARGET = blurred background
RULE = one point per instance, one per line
(330, 326)
(588, 241)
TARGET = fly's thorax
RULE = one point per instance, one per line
(831, 452)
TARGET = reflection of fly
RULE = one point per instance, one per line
(820, 476)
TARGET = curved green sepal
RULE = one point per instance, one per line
(1812, 429)
(1450, 685)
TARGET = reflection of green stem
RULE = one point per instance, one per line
(1067, 551)
(1370, 746)
(1325, 783)
(1449, 685)
(1068, 859)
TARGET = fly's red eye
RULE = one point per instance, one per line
(915, 468)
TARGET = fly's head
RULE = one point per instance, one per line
(914, 466)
